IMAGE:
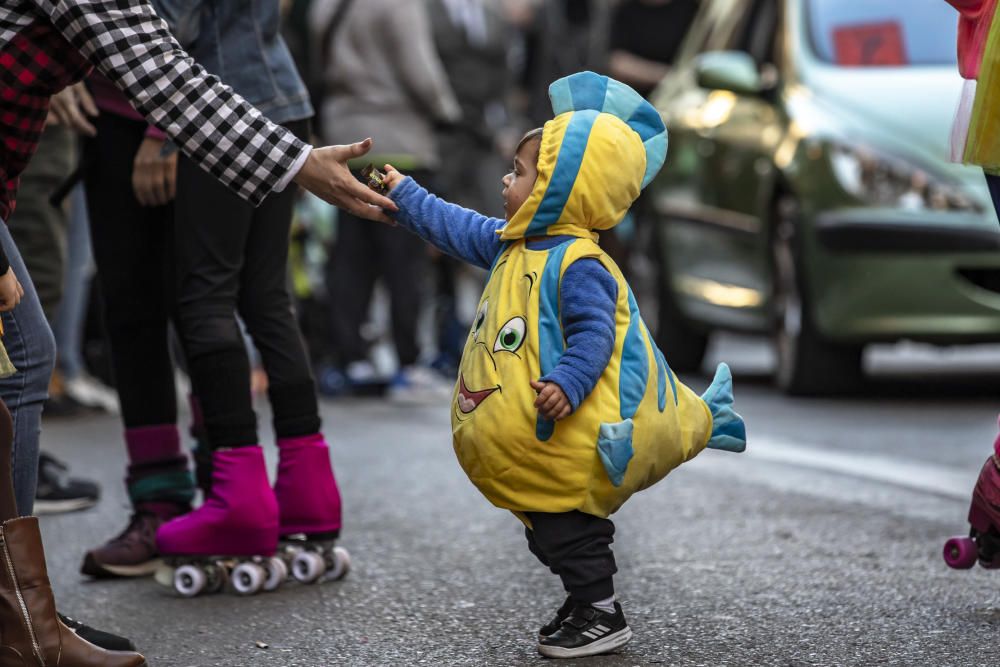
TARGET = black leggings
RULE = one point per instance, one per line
(132, 248)
(994, 184)
(232, 258)
(577, 548)
(364, 252)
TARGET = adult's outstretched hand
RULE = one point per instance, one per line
(326, 174)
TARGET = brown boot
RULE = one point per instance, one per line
(31, 635)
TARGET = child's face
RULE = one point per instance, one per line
(517, 185)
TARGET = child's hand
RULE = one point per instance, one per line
(552, 403)
(392, 177)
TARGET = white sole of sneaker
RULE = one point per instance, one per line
(141, 570)
(60, 506)
(602, 645)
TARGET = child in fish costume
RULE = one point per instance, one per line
(564, 407)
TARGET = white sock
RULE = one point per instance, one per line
(607, 606)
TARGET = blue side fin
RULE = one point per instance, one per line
(614, 446)
(729, 432)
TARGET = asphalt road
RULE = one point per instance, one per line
(820, 546)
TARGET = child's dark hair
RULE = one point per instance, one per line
(530, 135)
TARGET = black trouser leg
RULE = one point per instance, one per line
(232, 257)
(404, 264)
(132, 248)
(577, 548)
(403, 259)
(365, 251)
(994, 184)
(211, 226)
(351, 272)
(266, 308)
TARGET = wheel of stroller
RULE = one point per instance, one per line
(277, 572)
(341, 564)
(960, 553)
(189, 580)
(308, 566)
(248, 578)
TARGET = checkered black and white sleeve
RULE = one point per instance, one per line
(217, 128)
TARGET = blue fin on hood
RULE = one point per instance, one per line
(588, 90)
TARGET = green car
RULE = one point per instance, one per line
(808, 192)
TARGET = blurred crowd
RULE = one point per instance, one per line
(446, 88)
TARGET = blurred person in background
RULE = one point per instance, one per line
(384, 78)
(78, 386)
(565, 36)
(645, 38)
(473, 39)
(39, 228)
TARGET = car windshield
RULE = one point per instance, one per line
(883, 33)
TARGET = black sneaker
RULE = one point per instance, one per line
(58, 492)
(104, 640)
(587, 631)
(561, 615)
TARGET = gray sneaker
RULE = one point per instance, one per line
(58, 492)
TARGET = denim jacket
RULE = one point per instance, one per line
(239, 41)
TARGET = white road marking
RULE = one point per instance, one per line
(927, 477)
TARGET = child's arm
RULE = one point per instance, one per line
(588, 296)
(462, 233)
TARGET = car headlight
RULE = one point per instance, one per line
(880, 180)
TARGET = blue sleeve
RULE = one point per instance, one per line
(457, 231)
(587, 296)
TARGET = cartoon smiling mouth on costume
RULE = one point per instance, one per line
(470, 400)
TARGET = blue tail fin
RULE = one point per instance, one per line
(729, 433)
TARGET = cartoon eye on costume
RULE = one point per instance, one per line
(511, 336)
(480, 319)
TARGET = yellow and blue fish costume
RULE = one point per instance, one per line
(603, 146)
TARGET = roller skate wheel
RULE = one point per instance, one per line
(308, 566)
(277, 573)
(341, 564)
(190, 580)
(164, 576)
(216, 578)
(960, 553)
(248, 578)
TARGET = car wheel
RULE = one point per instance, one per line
(806, 362)
(682, 344)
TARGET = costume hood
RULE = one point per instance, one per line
(603, 146)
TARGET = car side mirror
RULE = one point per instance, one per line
(734, 71)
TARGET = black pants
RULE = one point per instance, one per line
(994, 184)
(365, 251)
(232, 257)
(132, 248)
(577, 548)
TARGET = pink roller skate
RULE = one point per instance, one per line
(983, 542)
(232, 537)
(309, 503)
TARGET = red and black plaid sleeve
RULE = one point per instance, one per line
(31, 67)
(133, 47)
